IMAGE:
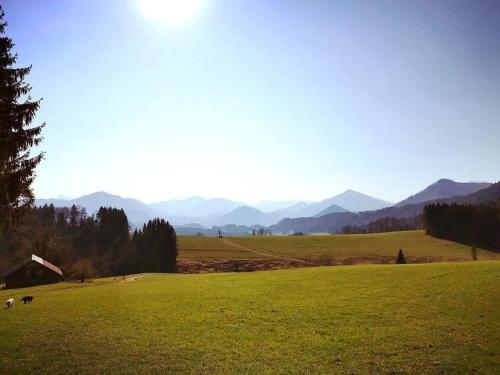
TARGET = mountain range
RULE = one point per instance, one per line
(137, 211)
(336, 221)
(349, 200)
(198, 211)
(197, 206)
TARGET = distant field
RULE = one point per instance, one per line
(355, 248)
(419, 319)
(209, 248)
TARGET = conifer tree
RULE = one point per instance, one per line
(17, 111)
(401, 257)
(74, 213)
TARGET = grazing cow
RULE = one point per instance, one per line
(27, 299)
(9, 303)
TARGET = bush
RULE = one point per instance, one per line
(83, 270)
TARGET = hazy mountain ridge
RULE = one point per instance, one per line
(214, 211)
(197, 206)
(267, 206)
(137, 211)
(327, 215)
(336, 221)
(349, 200)
(177, 206)
(245, 215)
(444, 188)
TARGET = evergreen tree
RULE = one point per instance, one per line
(48, 215)
(61, 221)
(74, 214)
(17, 165)
(156, 247)
(401, 257)
(113, 228)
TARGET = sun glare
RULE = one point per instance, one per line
(174, 13)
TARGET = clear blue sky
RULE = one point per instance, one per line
(263, 99)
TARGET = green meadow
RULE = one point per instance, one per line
(362, 248)
(438, 318)
(210, 248)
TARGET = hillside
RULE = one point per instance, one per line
(358, 248)
(358, 319)
(331, 210)
(443, 188)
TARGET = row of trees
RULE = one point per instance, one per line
(68, 237)
(385, 224)
(474, 225)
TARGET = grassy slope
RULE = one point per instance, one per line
(432, 318)
(414, 244)
(209, 248)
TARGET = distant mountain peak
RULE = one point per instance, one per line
(444, 188)
(350, 191)
(355, 201)
(99, 194)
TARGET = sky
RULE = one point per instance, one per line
(259, 99)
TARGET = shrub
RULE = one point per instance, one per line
(83, 270)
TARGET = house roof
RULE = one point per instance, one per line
(28, 260)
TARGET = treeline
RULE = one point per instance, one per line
(83, 244)
(386, 224)
(474, 225)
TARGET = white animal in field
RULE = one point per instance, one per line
(9, 303)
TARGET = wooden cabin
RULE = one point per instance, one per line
(29, 272)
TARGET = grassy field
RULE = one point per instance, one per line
(209, 248)
(360, 248)
(437, 318)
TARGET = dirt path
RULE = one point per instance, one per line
(266, 254)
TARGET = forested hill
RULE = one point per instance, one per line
(336, 221)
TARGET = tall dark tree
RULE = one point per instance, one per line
(113, 229)
(74, 215)
(17, 111)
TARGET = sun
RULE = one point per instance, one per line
(174, 13)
